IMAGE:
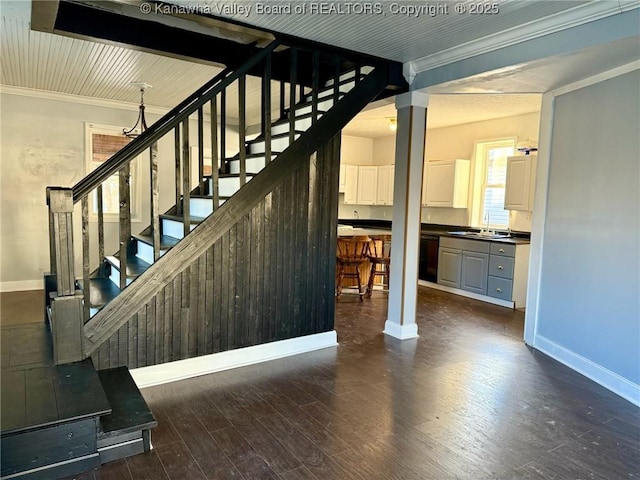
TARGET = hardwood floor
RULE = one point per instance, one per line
(467, 400)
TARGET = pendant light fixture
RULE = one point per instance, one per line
(141, 123)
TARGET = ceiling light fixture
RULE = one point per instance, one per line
(527, 146)
(393, 123)
(141, 122)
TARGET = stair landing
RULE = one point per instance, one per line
(61, 420)
(50, 413)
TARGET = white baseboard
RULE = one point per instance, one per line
(20, 286)
(464, 293)
(217, 362)
(602, 376)
(403, 332)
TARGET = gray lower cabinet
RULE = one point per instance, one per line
(475, 266)
(501, 288)
(492, 269)
(449, 263)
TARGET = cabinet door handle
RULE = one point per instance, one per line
(498, 290)
(501, 250)
(500, 267)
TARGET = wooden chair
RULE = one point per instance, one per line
(380, 258)
(352, 256)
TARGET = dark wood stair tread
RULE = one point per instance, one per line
(180, 218)
(166, 242)
(51, 395)
(249, 155)
(285, 121)
(102, 291)
(273, 137)
(129, 410)
(135, 265)
(209, 197)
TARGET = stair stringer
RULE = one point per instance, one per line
(294, 252)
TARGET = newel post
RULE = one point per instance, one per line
(65, 302)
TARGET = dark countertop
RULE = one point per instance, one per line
(517, 238)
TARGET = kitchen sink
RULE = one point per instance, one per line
(480, 235)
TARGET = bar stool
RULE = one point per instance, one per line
(352, 255)
(380, 258)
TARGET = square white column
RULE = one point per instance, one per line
(407, 200)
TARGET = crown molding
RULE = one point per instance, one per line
(67, 97)
(552, 24)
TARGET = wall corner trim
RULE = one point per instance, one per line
(602, 376)
(241, 357)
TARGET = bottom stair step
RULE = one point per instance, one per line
(49, 420)
(127, 430)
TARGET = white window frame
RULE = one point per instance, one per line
(480, 174)
(90, 165)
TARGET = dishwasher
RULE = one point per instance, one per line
(428, 262)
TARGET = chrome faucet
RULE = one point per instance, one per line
(355, 214)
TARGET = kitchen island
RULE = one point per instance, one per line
(462, 260)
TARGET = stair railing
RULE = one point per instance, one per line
(70, 306)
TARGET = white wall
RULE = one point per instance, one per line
(42, 143)
(589, 304)
(443, 143)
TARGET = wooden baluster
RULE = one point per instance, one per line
(242, 152)
(223, 130)
(86, 260)
(178, 176)
(155, 200)
(186, 177)
(215, 163)
(266, 108)
(358, 73)
(282, 99)
(292, 95)
(125, 221)
(336, 81)
(100, 201)
(201, 151)
(315, 85)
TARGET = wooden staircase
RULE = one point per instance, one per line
(241, 257)
(201, 204)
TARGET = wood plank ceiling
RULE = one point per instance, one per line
(391, 30)
(56, 63)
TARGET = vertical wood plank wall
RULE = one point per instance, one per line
(270, 277)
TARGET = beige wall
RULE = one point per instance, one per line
(42, 143)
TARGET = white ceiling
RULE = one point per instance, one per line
(394, 34)
(447, 110)
(55, 63)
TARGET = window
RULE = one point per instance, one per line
(491, 176)
(102, 143)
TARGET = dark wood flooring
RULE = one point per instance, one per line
(467, 400)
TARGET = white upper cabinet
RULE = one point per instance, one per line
(343, 178)
(350, 184)
(446, 183)
(367, 185)
(520, 183)
(384, 194)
